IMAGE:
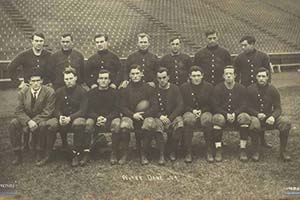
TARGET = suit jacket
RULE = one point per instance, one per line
(43, 107)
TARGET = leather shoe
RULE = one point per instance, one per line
(172, 156)
(144, 160)
(113, 159)
(188, 158)
(218, 156)
(243, 155)
(75, 161)
(255, 156)
(285, 156)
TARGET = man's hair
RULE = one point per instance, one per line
(67, 35)
(36, 72)
(210, 32)
(98, 35)
(229, 67)
(174, 38)
(135, 66)
(142, 35)
(262, 69)
(70, 70)
(196, 68)
(104, 71)
(163, 69)
(249, 38)
(39, 34)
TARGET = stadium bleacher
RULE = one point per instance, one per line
(274, 23)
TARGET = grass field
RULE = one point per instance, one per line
(231, 179)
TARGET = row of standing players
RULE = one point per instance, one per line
(212, 59)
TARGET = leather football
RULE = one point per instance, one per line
(143, 105)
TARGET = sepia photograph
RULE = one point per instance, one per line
(149, 99)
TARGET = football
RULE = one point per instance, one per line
(142, 106)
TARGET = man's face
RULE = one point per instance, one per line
(212, 40)
(246, 47)
(262, 78)
(37, 43)
(35, 82)
(70, 80)
(229, 75)
(143, 43)
(66, 43)
(196, 77)
(163, 79)
(135, 75)
(101, 43)
(103, 80)
(175, 46)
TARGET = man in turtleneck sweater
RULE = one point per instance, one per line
(103, 59)
(66, 57)
(147, 60)
(229, 104)
(34, 58)
(264, 105)
(197, 111)
(177, 63)
(212, 58)
(246, 65)
(70, 111)
(140, 119)
(103, 115)
(169, 119)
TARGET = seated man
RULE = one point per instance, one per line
(229, 104)
(197, 107)
(264, 106)
(35, 108)
(103, 113)
(169, 116)
(139, 107)
(71, 107)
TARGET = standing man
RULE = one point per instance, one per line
(66, 57)
(139, 107)
(31, 59)
(264, 106)
(229, 102)
(246, 65)
(103, 59)
(169, 116)
(143, 57)
(71, 107)
(36, 104)
(197, 95)
(212, 59)
(103, 114)
(177, 63)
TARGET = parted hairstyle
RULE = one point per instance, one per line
(249, 38)
(262, 69)
(101, 35)
(70, 70)
(196, 68)
(39, 34)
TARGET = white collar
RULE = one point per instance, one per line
(37, 92)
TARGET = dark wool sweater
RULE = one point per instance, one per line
(103, 103)
(213, 60)
(246, 65)
(71, 102)
(178, 67)
(133, 94)
(28, 61)
(103, 60)
(147, 60)
(263, 99)
(197, 96)
(170, 101)
(229, 101)
(63, 59)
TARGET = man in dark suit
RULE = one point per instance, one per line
(36, 104)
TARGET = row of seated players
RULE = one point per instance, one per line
(149, 112)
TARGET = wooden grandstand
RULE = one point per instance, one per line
(275, 24)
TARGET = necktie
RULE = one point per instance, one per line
(33, 99)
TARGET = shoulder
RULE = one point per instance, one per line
(223, 49)
(77, 52)
(207, 85)
(185, 85)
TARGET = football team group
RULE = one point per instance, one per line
(165, 99)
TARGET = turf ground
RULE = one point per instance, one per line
(268, 179)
